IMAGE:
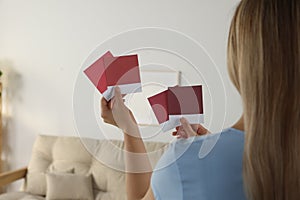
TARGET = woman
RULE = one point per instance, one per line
(264, 65)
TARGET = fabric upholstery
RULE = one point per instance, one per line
(103, 159)
(20, 196)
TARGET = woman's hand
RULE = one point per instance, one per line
(116, 113)
(106, 112)
(188, 130)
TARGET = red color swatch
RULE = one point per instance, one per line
(96, 72)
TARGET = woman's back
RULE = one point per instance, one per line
(216, 176)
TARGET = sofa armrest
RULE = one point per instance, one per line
(9, 177)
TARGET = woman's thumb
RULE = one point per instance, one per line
(118, 95)
(187, 127)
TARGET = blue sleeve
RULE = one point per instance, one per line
(166, 180)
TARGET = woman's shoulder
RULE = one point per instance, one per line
(230, 141)
(228, 133)
(227, 143)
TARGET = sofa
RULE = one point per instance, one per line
(74, 168)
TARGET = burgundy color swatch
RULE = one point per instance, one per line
(187, 100)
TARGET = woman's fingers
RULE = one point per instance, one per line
(197, 128)
(181, 134)
(202, 130)
(103, 104)
(105, 109)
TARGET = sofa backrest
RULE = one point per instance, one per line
(103, 159)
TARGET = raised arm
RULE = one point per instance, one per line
(138, 166)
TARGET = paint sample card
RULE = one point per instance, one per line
(109, 71)
(177, 102)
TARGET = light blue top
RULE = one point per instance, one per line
(181, 174)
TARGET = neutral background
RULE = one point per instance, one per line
(44, 43)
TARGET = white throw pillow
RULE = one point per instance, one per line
(69, 186)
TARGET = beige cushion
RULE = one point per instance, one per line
(69, 186)
(103, 159)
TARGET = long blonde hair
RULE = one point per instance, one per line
(264, 65)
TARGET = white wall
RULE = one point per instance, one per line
(43, 44)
